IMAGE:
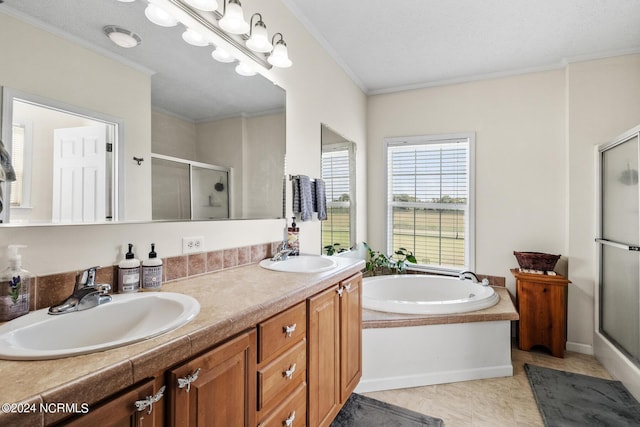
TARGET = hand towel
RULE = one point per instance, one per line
(5, 164)
(302, 197)
(321, 199)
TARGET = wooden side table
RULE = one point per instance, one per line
(542, 304)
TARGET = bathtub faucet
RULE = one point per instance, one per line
(474, 278)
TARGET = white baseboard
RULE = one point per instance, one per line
(580, 348)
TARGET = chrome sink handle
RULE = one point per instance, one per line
(186, 381)
(148, 401)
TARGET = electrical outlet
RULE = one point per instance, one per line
(192, 245)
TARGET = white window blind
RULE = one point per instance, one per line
(336, 174)
(429, 198)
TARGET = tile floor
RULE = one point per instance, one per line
(496, 402)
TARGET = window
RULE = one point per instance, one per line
(337, 172)
(430, 199)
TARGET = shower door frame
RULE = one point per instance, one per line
(613, 358)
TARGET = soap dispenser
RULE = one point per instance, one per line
(15, 286)
(129, 272)
(152, 271)
(293, 236)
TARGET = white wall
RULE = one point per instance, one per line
(535, 182)
(603, 102)
(520, 159)
(318, 91)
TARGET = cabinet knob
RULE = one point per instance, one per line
(340, 291)
(148, 401)
(186, 381)
(289, 421)
(347, 287)
(288, 374)
(289, 330)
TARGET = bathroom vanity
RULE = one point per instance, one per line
(267, 349)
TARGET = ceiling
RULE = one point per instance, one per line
(185, 80)
(387, 46)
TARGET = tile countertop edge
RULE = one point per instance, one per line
(222, 316)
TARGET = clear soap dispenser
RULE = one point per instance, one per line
(15, 285)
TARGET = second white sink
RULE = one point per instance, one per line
(128, 318)
(301, 264)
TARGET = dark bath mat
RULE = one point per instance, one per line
(567, 399)
(363, 411)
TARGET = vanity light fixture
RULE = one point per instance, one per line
(279, 55)
(194, 38)
(122, 37)
(245, 69)
(160, 16)
(258, 36)
(221, 55)
(232, 20)
(205, 5)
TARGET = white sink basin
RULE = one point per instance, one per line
(128, 318)
(301, 264)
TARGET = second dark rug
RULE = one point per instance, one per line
(363, 411)
(566, 399)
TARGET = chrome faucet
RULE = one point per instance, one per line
(86, 294)
(474, 278)
(284, 251)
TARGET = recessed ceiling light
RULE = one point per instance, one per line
(122, 37)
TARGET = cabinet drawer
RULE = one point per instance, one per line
(281, 331)
(292, 412)
(281, 376)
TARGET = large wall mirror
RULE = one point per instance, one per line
(208, 143)
(339, 174)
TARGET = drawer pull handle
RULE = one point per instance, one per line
(148, 401)
(186, 381)
(288, 374)
(289, 330)
(289, 421)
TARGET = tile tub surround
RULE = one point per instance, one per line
(53, 289)
(232, 301)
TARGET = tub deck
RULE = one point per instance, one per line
(504, 310)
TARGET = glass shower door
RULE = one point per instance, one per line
(620, 245)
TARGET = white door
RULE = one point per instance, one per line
(79, 164)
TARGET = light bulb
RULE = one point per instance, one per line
(222, 55)
(280, 55)
(159, 16)
(259, 40)
(245, 69)
(233, 20)
(194, 38)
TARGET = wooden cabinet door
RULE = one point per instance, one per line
(121, 411)
(350, 335)
(224, 393)
(323, 370)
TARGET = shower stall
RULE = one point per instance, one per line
(617, 335)
(185, 189)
